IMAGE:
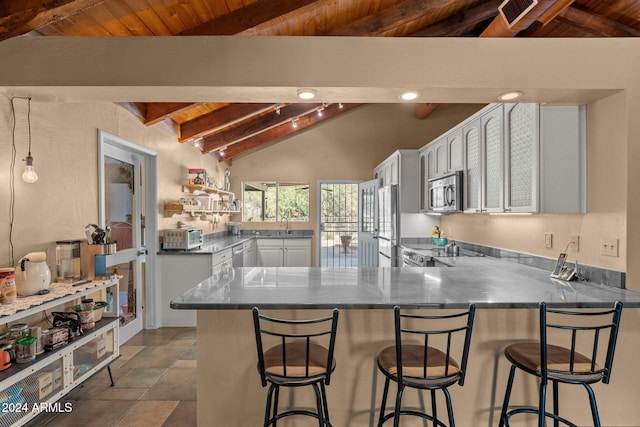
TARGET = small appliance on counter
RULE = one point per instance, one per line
(182, 238)
(93, 252)
(68, 261)
(234, 228)
(32, 274)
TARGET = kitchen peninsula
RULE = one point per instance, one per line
(506, 294)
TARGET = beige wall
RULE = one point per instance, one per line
(606, 202)
(65, 151)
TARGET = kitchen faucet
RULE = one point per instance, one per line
(284, 218)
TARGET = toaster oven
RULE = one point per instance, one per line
(182, 238)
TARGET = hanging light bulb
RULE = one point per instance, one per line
(29, 175)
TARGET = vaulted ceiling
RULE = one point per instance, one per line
(230, 130)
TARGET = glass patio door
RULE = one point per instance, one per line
(338, 234)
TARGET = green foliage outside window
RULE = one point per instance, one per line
(273, 201)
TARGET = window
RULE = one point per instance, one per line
(273, 201)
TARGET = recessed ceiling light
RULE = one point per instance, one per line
(509, 96)
(307, 93)
(409, 95)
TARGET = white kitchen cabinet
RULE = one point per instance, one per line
(521, 157)
(55, 373)
(284, 252)
(297, 253)
(472, 175)
(249, 253)
(525, 158)
(483, 142)
(402, 168)
(221, 262)
(439, 158)
(553, 138)
(491, 124)
(455, 158)
(180, 272)
(270, 252)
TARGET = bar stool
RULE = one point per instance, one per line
(429, 364)
(564, 364)
(296, 359)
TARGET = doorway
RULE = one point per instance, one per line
(127, 200)
(338, 224)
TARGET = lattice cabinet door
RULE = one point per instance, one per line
(454, 146)
(522, 158)
(472, 175)
(492, 132)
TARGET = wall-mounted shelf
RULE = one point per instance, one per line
(194, 189)
(171, 209)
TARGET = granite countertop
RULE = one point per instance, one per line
(486, 281)
(218, 244)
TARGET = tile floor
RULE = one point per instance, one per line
(155, 386)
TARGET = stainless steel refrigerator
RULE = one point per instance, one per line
(388, 226)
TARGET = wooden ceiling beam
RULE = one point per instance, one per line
(499, 27)
(394, 17)
(282, 130)
(596, 24)
(218, 119)
(158, 111)
(461, 23)
(18, 17)
(255, 126)
(247, 17)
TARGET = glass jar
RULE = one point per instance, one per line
(19, 330)
(26, 349)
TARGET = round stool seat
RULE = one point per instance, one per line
(526, 356)
(297, 363)
(435, 373)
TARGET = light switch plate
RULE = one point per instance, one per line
(609, 247)
(548, 240)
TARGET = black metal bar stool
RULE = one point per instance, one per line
(591, 331)
(301, 355)
(428, 364)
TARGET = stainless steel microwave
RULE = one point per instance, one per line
(182, 238)
(445, 193)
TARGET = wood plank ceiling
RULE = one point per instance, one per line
(230, 130)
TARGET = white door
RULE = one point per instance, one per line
(368, 224)
(123, 205)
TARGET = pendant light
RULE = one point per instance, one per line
(29, 175)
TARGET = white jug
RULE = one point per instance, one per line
(32, 274)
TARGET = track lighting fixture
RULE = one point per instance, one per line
(294, 122)
(278, 106)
